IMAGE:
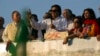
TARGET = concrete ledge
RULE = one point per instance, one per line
(80, 47)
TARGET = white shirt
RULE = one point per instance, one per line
(45, 24)
(60, 23)
(70, 24)
(37, 26)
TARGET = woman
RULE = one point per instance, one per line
(90, 25)
(68, 15)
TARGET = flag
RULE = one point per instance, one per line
(22, 32)
(21, 37)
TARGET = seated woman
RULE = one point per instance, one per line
(90, 24)
(76, 31)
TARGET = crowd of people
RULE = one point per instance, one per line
(83, 26)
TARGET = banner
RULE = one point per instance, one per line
(53, 34)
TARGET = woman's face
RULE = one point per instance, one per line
(65, 14)
(16, 17)
(86, 14)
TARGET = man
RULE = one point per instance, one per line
(11, 28)
(57, 21)
(16, 31)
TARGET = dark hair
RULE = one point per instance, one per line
(69, 11)
(73, 15)
(91, 12)
(98, 20)
(80, 21)
(48, 15)
(58, 8)
(35, 17)
(2, 19)
(15, 12)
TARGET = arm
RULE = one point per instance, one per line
(34, 24)
(5, 35)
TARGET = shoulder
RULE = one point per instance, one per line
(9, 25)
(61, 18)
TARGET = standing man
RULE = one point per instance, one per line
(16, 32)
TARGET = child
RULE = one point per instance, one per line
(76, 31)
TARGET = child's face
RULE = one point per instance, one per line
(76, 24)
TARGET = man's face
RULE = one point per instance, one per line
(54, 12)
(16, 17)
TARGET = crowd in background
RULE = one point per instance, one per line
(82, 26)
(60, 20)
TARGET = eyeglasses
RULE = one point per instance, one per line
(54, 10)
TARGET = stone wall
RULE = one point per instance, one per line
(79, 47)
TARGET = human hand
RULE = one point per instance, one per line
(98, 37)
(52, 26)
(65, 41)
(81, 36)
(8, 45)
